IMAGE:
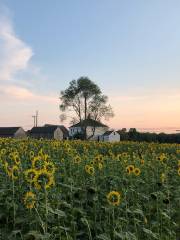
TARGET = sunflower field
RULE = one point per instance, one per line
(77, 190)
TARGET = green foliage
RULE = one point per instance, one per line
(77, 206)
(83, 99)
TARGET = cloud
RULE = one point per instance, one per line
(16, 93)
(15, 54)
(19, 77)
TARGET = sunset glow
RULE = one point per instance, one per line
(131, 49)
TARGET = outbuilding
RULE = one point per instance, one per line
(63, 129)
(48, 132)
(12, 132)
(110, 136)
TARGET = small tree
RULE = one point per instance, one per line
(83, 99)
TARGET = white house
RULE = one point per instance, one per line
(94, 128)
(110, 136)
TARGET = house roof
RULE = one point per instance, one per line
(89, 123)
(43, 130)
(62, 127)
(107, 133)
(8, 131)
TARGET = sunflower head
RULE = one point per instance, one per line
(38, 163)
(43, 180)
(100, 166)
(17, 159)
(130, 169)
(30, 175)
(137, 171)
(50, 167)
(89, 169)
(12, 171)
(15, 172)
(29, 200)
(114, 198)
(77, 159)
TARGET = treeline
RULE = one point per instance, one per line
(149, 137)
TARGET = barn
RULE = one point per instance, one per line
(48, 132)
(63, 129)
(12, 132)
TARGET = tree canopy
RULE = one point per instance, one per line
(83, 99)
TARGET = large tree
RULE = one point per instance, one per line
(83, 99)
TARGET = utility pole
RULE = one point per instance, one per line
(35, 117)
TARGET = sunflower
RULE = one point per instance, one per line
(77, 159)
(43, 179)
(137, 171)
(130, 169)
(38, 163)
(40, 153)
(31, 154)
(29, 200)
(162, 157)
(92, 163)
(17, 159)
(30, 175)
(100, 157)
(50, 167)
(96, 160)
(3, 151)
(89, 169)
(100, 166)
(114, 198)
(7, 168)
(14, 172)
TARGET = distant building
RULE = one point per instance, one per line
(48, 132)
(110, 136)
(94, 128)
(63, 129)
(12, 132)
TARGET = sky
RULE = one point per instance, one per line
(131, 49)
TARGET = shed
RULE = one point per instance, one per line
(110, 136)
(12, 132)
